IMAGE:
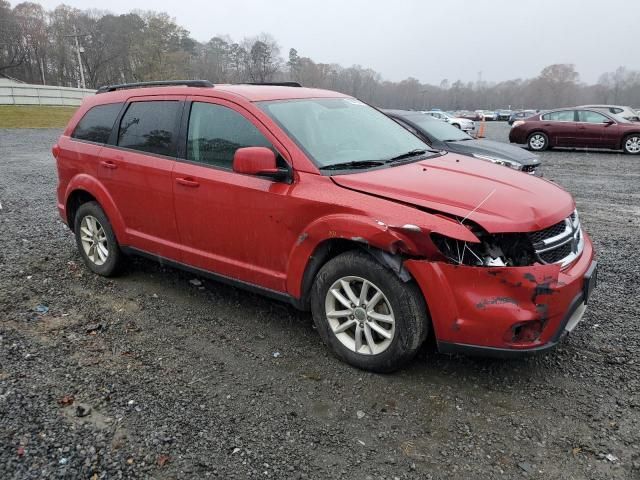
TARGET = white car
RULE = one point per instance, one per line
(461, 123)
(620, 110)
(488, 115)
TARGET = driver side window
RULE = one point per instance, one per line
(591, 117)
(216, 132)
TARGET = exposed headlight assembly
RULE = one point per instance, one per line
(499, 161)
(499, 250)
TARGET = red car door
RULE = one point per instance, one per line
(137, 172)
(612, 135)
(230, 223)
(591, 129)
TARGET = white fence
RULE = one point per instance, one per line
(25, 94)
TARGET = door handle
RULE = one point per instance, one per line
(187, 182)
(109, 164)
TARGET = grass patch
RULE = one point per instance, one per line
(34, 116)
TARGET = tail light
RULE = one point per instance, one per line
(55, 150)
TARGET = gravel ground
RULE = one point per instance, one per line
(149, 375)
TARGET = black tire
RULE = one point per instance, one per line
(455, 125)
(406, 301)
(538, 142)
(113, 261)
(628, 148)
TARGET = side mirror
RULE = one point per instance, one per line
(259, 161)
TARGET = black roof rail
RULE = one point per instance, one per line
(276, 84)
(161, 83)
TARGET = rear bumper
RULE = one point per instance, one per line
(484, 310)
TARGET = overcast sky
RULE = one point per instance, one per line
(426, 39)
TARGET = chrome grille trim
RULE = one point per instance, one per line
(564, 238)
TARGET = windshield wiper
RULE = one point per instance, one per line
(354, 165)
(409, 154)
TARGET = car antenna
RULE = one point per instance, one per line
(479, 205)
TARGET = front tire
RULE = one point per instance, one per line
(631, 144)
(96, 241)
(366, 314)
(538, 142)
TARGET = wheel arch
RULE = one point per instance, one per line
(331, 248)
(328, 237)
(74, 201)
(390, 245)
(84, 188)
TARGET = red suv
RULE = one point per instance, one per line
(316, 198)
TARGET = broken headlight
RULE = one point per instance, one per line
(499, 161)
(493, 250)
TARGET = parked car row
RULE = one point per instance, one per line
(458, 122)
(578, 127)
(521, 115)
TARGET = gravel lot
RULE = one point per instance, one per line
(149, 375)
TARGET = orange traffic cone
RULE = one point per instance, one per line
(480, 133)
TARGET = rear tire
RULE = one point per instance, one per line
(631, 144)
(376, 335)
(538, 142)
(96, 241)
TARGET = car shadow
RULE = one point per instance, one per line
(428, 364)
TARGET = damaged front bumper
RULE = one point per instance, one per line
(504, 311)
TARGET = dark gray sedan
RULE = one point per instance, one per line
(443, 136)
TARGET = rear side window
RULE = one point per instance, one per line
(216, 132)
(563, 116)
(97, 123)
(591, 117)
(150, 127)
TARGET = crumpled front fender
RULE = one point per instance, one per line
(481, 305)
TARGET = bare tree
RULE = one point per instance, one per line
(35, 46)
(13, 51)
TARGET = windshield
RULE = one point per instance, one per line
(332, 131)
(441, 131)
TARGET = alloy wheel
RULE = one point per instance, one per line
(632, 145)
(360, 315)
(94, 240)
(537, 142)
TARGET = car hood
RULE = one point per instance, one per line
(497, 198)
(494, 149)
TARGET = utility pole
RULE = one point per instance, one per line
(424, 99)
(44, 82)
(75, 37)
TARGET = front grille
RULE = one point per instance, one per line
(559, 243)
(552, 231)
(557, 254)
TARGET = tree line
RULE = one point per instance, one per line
(39, 46)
